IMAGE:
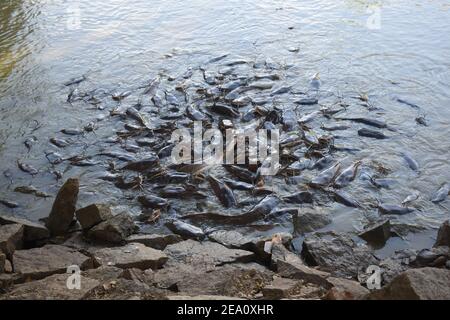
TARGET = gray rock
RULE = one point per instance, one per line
(93, 215)
(344, 289)
(377, 234)
(282, 288)
(289, 265)
(32, 231)
(63, 210)
(51, 288)
(232, 239)
(337, 253)
(42, 262)
(443, 237)
(11, 236)
(433, 257)
(113, 230)
(155, 241)
(208, 254)
(133, 255)
(309, 220)
(103, 273)
(416, 284)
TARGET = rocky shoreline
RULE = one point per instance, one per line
(117, 262)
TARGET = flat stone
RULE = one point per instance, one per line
(337, 254)
(344, 289)
(32, 231)
(309, 220)
(443, 237)
(11, 236)
(63, 210)
(42, 262)
(377, 234)
(113, 230)
(282, 288)
(133, 255)
(103, 273)
(236, 280)
(93, 215)
(416, 284)
(231, 239)
(155, 241)
(51, 288)
(206, 253)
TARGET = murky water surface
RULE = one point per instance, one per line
(118, 45)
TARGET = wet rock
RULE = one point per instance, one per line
(63, 209)
(443, 237)
(282, 288)
(206, 253)
(309, 220)
(337, 253)
(2, 262)
(11, 236)
(51, 288)
(289, 265)
(93, 215)
(232, 239)
(403, 229)
(394, 265)
(187, 231)
(344, 289)
(155, 241)
(377, 234)
(42, 262)
(132, 255)
(416, 284)
(113, 230)
(434, 257)
(32, 231)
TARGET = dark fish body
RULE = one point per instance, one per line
(308, 117)
(299, 197)
(241, 173)
(118, 155)
(154, 202)
(222, 192)
(410, 161)
(149, 161)
(412, 105)
(72, 132)
(371, 134)
(281, 90)
(232, 85)
(75, 81)
(347, 175)
(344, 198)
(84, 163)
(307, 101)
(61, 143)
(27, 168)
(370, 122)
(9, 204)
(185, 230)
(383, 183)
(152, 86)
(29, 142)
(238, 185)
(289, 119)
(334, 127)
(441, 194)
(31, 190)
(195, 115)
(394, 209)
(326, 177)
(225, 110)
(323, 162)
(119, 96)
(54, 158)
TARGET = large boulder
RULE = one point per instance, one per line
(208, 254)
(92, 215)
(63, 210)
(443, 237)
(51, 288)
(416, 284)
(133, 255)
(282, 288)
(42, 262)
(344, 289)
(32, 231)
(337, 253)
(114, 230)
(155, 241)
(11, 236)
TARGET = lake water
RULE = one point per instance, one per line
(385, 49)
